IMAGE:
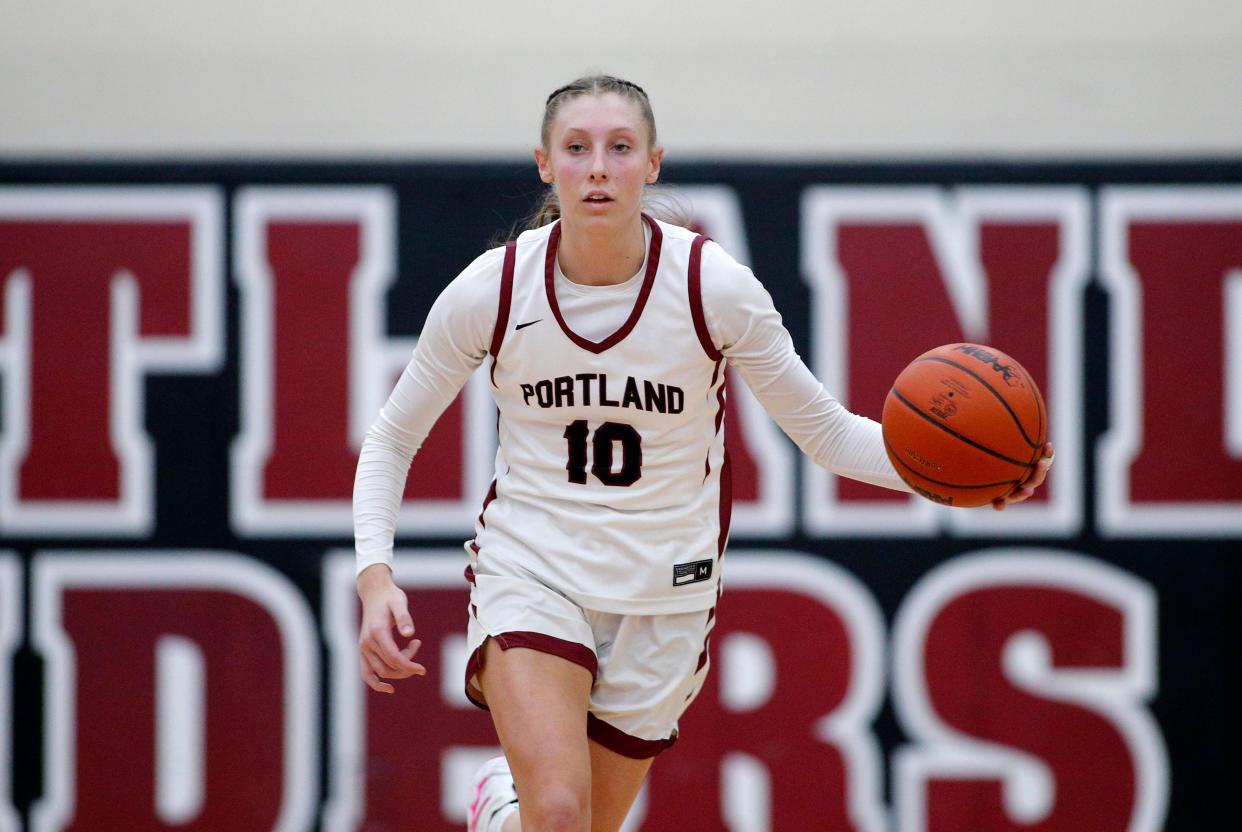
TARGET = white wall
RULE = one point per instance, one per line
(732, 78)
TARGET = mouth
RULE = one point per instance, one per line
(597, 198)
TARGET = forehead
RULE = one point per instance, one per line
(599, 112)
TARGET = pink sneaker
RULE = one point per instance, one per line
(493, 791)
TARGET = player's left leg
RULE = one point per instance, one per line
(615, 781)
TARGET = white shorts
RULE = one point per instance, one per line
(647, 668)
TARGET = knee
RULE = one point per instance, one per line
(557, 810)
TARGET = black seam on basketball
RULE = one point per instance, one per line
(894, 455)
(1040, 409)
(1043, 411)
(957, 435)
(991, 390)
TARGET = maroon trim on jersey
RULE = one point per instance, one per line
(694, 285)
(614, 739)
(720, 397)
(470, 575)
(720, 411)
(726, 518)
(506, 300)
(726, 505)
(549, 283)
(570, 651)
(487, 501)
(696, 296)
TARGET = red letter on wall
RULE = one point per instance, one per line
(180, 693)
(404, 762)
(98, 288)
(779, 738)
(314, 266)
(799, 656)
(11, 617)
(760, 456)
(895, 272)
(1172, 462)
(1021, 676)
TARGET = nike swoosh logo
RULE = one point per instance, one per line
(528, 323)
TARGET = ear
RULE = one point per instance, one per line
(543, 162)
(653, 165)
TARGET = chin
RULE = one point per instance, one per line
(612, 213)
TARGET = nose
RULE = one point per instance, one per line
(599, 165)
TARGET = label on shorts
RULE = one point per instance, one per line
(691, 573)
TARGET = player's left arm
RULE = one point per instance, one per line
(747, 329)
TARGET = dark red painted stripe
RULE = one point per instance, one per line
(549, 282)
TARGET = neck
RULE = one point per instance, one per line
(601, 256)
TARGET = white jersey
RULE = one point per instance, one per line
(611, 478)
(611, 475)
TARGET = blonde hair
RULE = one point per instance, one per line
(658, 202)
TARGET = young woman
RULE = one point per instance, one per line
(595, 567)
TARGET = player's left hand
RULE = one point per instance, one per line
(1027, 487)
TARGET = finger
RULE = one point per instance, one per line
(385, 672)
(375, 684)
(401, 615)
(383, 645)
(372, 679)
(1036, 478)
(377, 667)
(408, 653)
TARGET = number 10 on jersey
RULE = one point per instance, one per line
(603, 442)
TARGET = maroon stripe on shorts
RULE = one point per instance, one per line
(707, 638)
(570, 651)
(614, 739)
(696, 298)
(506, 300)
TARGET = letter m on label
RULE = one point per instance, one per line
(894, 272)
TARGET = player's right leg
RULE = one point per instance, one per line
(539, 703)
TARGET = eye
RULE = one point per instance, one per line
(621, 147)
(575, 147)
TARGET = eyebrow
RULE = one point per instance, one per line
(610, 130)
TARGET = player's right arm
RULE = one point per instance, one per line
(384, 607)
(452, 345)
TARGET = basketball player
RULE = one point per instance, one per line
(595, 566)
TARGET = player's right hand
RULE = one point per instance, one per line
(385, 610)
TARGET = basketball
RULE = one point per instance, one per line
(964, 424)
